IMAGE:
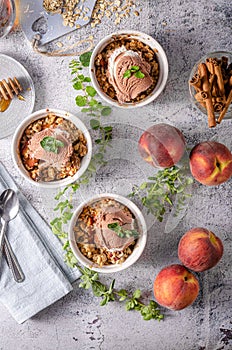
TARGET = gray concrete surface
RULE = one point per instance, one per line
(186, 30)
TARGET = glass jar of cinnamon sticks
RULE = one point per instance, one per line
(210, 86)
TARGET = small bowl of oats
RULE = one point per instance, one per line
(51, 148)
(107, 233)
(129, 69)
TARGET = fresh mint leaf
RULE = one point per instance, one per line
(50, 144)
(121, 232)
(134, 69)
(127, 74)
(139, 74)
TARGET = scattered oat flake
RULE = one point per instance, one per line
(21, 98)
(59, 44)
(118, 9)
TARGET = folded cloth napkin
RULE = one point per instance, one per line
(39, 252)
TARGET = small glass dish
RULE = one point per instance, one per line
(217, 55)
(7, 16)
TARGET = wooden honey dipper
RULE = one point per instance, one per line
(8, 89)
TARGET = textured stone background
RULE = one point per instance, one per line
(186, 30)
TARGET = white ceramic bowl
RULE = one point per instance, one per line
(161, 57)
(38, 115)
(138, 248)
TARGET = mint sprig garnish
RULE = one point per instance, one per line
(134, 70)
(51, 144)
(121, 232)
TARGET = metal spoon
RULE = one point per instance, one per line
(9, 207)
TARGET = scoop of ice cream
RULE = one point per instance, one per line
(104, 237)
(51, 158)
(129, 88)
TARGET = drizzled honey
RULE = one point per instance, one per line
(4, 104)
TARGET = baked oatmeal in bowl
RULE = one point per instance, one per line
(107, 233)
(51, 148)
(129, 69)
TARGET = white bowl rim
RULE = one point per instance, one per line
(35, 116)
(138, 249)
(161, 56)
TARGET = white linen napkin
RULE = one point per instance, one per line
(39, 252)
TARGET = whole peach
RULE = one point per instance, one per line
(211, 163)
(175, 287)
(162, 145)
(199, 249)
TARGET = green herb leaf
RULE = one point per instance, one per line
(81, 101)
(127, 74)
(95, 124)
(137, 294)
(106, 111)
(139, 75)
(135, 70)
(78, 85)
(90, 91)
(50, 144)
(85, 59)
(121, 232)
(81, 77)
(158, 192)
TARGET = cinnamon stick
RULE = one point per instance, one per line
(206, 88)
(209, 65)
(220, 82)
(218, 106)
(225, 109)
(196, 82)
